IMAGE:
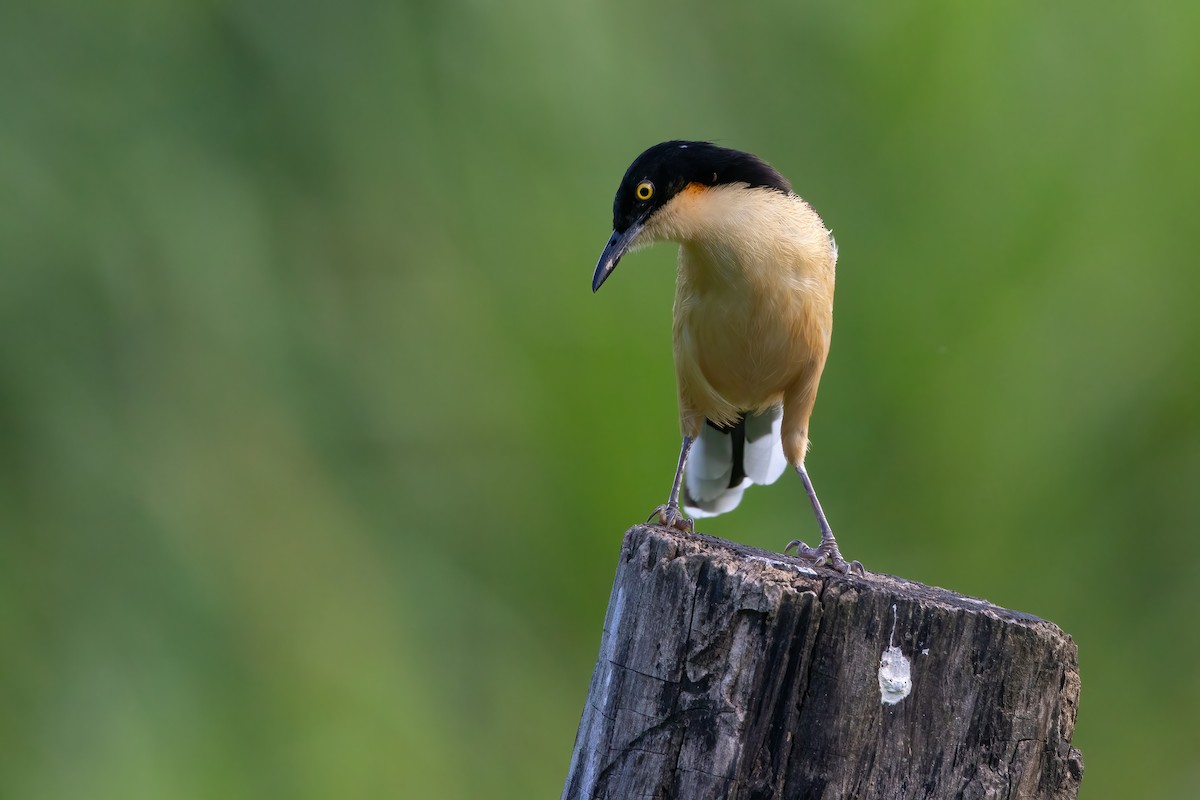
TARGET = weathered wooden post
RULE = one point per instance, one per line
(730, 672)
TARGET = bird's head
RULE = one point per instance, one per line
(656, 180)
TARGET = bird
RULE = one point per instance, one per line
(752, 321)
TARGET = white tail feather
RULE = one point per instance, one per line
(710, 464)
(727, 500)
(763, 459)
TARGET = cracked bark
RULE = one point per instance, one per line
(730, 672)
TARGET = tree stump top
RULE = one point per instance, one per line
(726, 671)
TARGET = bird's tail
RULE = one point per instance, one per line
(725, 460)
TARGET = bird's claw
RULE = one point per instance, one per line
(671, 516)
(825, 553)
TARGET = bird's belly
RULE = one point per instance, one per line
(746, 376)
(747, 354)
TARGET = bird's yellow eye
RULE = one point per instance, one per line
(644, 190)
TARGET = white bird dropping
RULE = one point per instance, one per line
(895, 671)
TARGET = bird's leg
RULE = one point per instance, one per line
(827, 551)
(670, 514)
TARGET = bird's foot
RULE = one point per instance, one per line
(825, 553)
(671, 516)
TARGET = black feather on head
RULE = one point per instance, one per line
(671, 166)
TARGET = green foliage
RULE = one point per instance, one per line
(316, 448)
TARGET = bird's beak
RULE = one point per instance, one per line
(617, 246)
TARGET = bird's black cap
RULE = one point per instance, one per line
(671, 166)
(661, 173)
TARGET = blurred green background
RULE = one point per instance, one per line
(316, 449)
